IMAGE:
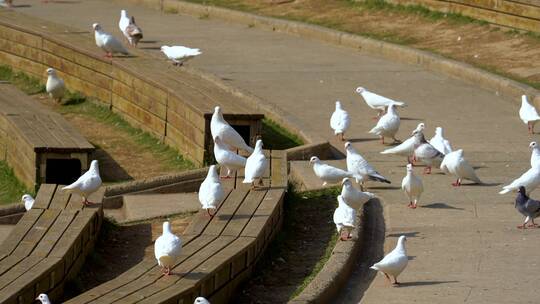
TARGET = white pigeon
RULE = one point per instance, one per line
(439, 142)
(377, 102)
(535, 154)
(201, 300)
(226, 158)
(167, 248)
(406, 148)
(256, 165)
(530, 180)
(108, 42)
(528, 114)
(28, 201)
(179, 54)
(344, 218)
(55, 85)
(329, 174)
(388, 125)
(356, 164)
(413, 187)
(455, 164)
(43, 298)
(229, 136)
(211, 191)
(129, 28)
(352, 196)
(87, 184)
(394, 262)
(340, 121)
(426, 153)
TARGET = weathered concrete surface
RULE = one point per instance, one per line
(145, 206)
(464, 243)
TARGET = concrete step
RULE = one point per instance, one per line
(139, 207)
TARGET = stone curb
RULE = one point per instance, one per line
(433, 62)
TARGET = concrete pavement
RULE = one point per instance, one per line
(464, 243)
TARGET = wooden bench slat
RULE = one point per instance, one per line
(44, 196)
(17, 269)
(201, 219)
(155, 273)
(55, 233)
(184, 269)
(278, 169)
(244, 214)
(73, 232)
(32, 238)
(19, 232)
(226, 212)
(264, 213)
(60, 198)
(29, 278)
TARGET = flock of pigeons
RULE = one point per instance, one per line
(435, 152)
(133, 33)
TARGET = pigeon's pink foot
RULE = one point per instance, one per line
(211, 213)
(343, 237)
(533, 225)
(427, 170)
(87, 203)
(410, 205)
(457, 183)
(522, 227)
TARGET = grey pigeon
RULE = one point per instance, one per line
(528, 207)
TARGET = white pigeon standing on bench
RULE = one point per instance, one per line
(28, 201)
(439, 142)
(201, 300)
(167, 248)
(55, 85)
(406, 148)
(226, 158)
(211, 191)
(43, 298)
(129, 28)
(229, 136)
(256, 166)
(344, 218)
(352, 196)
(394, 262)
(377, 102)
(179, 54)
(329, 174)
(340, 121)
(87, 184)
(108, 42)
(388, 125)
(528, 114)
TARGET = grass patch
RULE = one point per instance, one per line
(276, 137)
(298, 252)
(11, 189)
(77, 104)
(29, 85)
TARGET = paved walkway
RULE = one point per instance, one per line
(464, 241)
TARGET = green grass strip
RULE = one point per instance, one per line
(11, 189)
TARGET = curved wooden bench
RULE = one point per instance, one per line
(219, 252)
(48, 245)
(32, 137)
(172, 103)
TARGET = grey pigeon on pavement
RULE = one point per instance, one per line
(528, 207)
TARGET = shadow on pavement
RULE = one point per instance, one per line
(441, 206)
(424, 283)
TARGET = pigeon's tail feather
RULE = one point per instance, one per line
(400, 104)
(358, 178)
(374, 267)
(505, 190)
(375, 130)
(68, 188)
(379, 178)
